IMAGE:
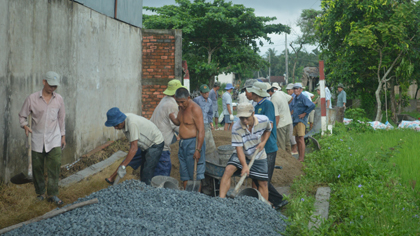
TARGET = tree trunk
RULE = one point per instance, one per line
(293, 74)
(393, 102)
(378, 102)
(399, 100)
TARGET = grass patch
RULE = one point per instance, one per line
(369, 194)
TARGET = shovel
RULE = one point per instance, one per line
(22, 178)
(194, 185)
(242, 179)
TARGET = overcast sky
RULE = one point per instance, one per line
(286, 13)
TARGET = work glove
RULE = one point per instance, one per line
(231, 117)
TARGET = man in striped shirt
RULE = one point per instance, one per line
(249, 135)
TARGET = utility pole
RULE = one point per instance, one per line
(269, 68)
(287, 59)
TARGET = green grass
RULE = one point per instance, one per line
(414, 114)
(369, 175)
(220, 105)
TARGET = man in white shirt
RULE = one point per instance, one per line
(227, 107)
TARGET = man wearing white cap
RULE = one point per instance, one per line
(48, 135)
(276, 86)
(227, 107)
(301, 107)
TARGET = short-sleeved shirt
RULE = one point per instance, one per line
(242, 137)
(341, 99)
(214, 96)
(226, 99)
(265, 107)
(143, 130)
(308, 95)
(301, 104)
(206, 108)
(161, 119)
(328, 97)
(281, 108)
(242, 98)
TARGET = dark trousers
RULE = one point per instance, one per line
(273, 195)
(149, 161)
(53, 163)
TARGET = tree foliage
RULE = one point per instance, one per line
(365, 42)
(218, 36)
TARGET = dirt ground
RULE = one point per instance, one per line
(284, 177)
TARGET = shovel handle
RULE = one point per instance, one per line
(29, 147)
(241, 181)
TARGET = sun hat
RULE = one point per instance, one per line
(173, 85)
(249, 83)
(340, 85)
(289, 86)
(297, 85)
(216, 84)
(204, 88)
(276, 85)
(260, 89)
(52, 78)
(268, 85)
(245, 109)
(228, 86)
(114, 117)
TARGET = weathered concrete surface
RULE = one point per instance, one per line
(98, 57)
(321, 206)
(91, 170)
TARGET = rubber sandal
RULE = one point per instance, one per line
(56, 200)
(109, 182)
(281, 204)
(40, 198)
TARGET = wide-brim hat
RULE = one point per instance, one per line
(276, 85)
(204, 88)
(173, 85)
(228, 86)
(52, 78)
(289, 86)
(114, 117)
(259, 88)
(244, 109)
(249, 83)
(268, 85)
(340, 85)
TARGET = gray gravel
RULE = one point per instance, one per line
(132, 208)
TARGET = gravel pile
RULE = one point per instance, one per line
(132, 208)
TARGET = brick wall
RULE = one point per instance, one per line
(161, 56)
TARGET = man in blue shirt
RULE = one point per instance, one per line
(265, 107)
(301, 107)
(227, 107)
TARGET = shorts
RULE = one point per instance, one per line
(186, 161)
(227, 119)
(311, 116)
(283, 137)
(292, 138)
(163, 167)
(299, 129)
(258, 171)
(216, 114)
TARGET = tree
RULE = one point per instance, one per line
(364, 42)
(218, 36)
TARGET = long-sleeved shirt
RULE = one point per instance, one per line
(301, 104)
(328, 97)
(47, 120)
(213, 95)
(206, 108)
(161, 119)
(341, 98)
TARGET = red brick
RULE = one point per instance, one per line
(150, 70)
(164, 57)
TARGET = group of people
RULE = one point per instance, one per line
(267, 119)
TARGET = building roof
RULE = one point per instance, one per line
(278, 79)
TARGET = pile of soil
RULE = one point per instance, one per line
(291, 166)
(84, 161)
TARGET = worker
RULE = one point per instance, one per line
(311, 116)
(276, 87)
(249, 135)
(227, 107)
(243, 97)
(214, 96)
(301, 107)
(341, 103)
(141, 133)
(206, 105)
(192, 145)
(160, 118)
(289, 90)
(48, 135)
(266, 107)
(281, 101)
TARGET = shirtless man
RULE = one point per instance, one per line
(191, 132)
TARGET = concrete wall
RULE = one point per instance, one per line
(226, 78)
(99, 59)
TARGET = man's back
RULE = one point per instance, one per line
(281, 108)
(266, 107)
(161, 119)
(143, 130)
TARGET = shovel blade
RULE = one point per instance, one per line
(193, 185)
(21, 179)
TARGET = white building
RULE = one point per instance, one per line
(226, 78)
